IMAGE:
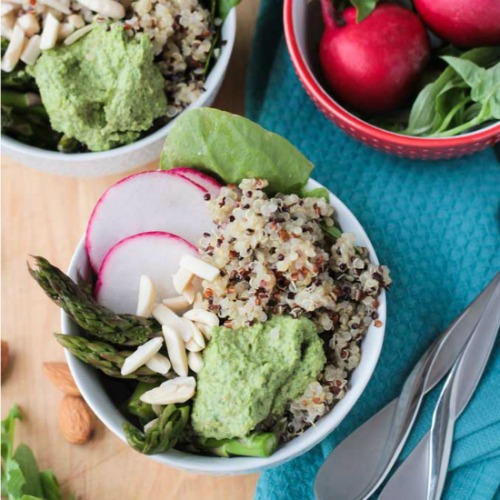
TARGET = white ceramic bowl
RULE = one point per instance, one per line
(88, 382)
(124, 158)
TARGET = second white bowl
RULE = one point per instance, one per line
(124, 158)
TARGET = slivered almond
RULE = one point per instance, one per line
(65, 29)
(32, 50)
(107, 8)
(177, 304)
(176, 390)
(76, 35)
(159, 364)
(205, 329)
(56, 5)
(6, 8)
(202, 316)
(195, 333)
(150, 424)
(58, 373)
(195, 361)
(7, 23)
(50, 32)
(165, 316)
(189, 293)
(146, 297)
(181, 279)
(14, 49)
(193, 346)
(198, 300)
(199, 267)
(141, 355)
(76, 20)
(29, 23)
(176, 350)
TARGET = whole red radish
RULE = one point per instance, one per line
(373, 65)
(465, 23)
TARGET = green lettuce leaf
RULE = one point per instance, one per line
(234, 148)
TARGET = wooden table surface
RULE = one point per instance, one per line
(46, 215)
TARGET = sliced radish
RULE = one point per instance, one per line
(148, 201)
(203, 180)
(154, 254)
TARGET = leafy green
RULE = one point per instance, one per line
(316, 193)
(21, 478)
(27, 463)
(225, 6)
(484, 83)
(234, 148)
(363, 8)
(50, 485)
(465, 95)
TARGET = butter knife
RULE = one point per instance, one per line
(374, 446)
(422, 475)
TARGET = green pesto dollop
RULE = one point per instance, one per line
(251, 373)
(104, 89)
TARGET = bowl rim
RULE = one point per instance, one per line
(215, 76)
(372, 131)
(86, 380)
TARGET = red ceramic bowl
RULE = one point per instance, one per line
(303, 27)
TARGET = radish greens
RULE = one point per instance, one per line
(465, 95)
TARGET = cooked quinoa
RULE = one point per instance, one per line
(182, 35)
(276, 258)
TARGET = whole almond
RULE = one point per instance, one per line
(58, 373)
(76, 421)
(5, 357)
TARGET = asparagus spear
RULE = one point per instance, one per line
(105, 357)
(135, 406)
(98, 321)
(68, 144)
(258, 444)
(20, 99)
(163, 434)
(18, 79)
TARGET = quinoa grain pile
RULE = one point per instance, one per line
(276, 258)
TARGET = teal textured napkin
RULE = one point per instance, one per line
(435, 224)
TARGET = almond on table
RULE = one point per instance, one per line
(76, 421)
(58, 373)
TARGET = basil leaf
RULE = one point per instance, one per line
(234, 148)
(50, 485)
(225, 6)
(470, 72)
(424, 118)
(363, 8)
(316, 193)
(26, 460)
